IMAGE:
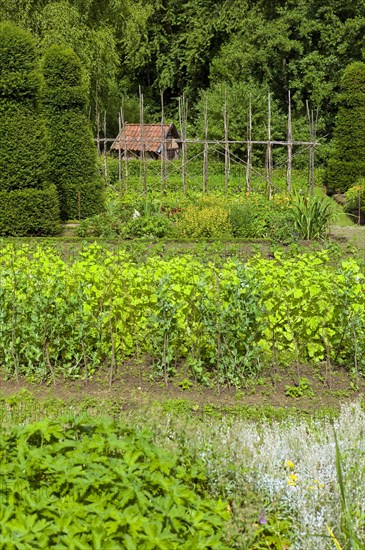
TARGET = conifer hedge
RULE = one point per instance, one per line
(28, 203)
(29, 212)
(347, 162)
(72, 150)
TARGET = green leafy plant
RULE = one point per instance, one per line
(69, 318)
(311, 216)
(209, 219)
(96, 483)
(302, 389)
(272, 533)
(148, 226)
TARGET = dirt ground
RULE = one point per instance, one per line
(326, 388)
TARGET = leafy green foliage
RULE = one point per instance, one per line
(355, 198)
(160, 45)
(273, 533)
(210, 221)
(195, 215)
(96, 483)
(314, 312)
(257, 217)
(311, 216)
(101, 309)
(148, 226)
(22, 135)
(74, 161)
(347, 161)
(302, 389)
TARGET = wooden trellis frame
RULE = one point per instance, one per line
(224, 144)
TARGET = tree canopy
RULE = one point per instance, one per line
(191, 46)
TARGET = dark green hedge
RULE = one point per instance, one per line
(74, 167)
(23, 148)
(29, 212)
(28, 205)
(19, 75)
(347, 162)
(91, 200)
(17, 49)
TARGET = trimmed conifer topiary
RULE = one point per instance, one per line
(29, 212)
(72, 149)
(23, 145)
(347, 162)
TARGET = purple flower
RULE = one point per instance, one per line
(262, 519)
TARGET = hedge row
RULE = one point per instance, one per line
(41, 148)
(347, 162)
(26, 212)
(74, 158)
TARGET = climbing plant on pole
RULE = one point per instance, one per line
(72, 150)
(347, 162)
(28, 203)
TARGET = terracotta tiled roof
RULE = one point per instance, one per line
(131, 135)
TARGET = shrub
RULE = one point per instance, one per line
(74, 157)
(23, 160)
(207, 221)
(355, 199)
(19, 78)
(23, 155)
(26, 212)
(280, 226)
(257, 217)
(28, 206)
(347, 162)
(246, 221)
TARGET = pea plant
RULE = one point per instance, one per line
(67, 319)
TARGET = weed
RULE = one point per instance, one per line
(303, 389)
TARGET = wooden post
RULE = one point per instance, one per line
(120, 152)
(312, 134)
(163, 147)
(249, 147)
(226, 144)
(205, 166)
(269, 147)
(98, 133)
(183, 113)
(143, 166)
(125, 145)
(97, 116)
(290, 148)
(105, 157)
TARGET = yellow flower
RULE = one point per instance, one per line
(290, 464)
(292, 480)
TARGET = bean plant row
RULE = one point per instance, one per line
(221, 324)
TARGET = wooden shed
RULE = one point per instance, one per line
(153, 139)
